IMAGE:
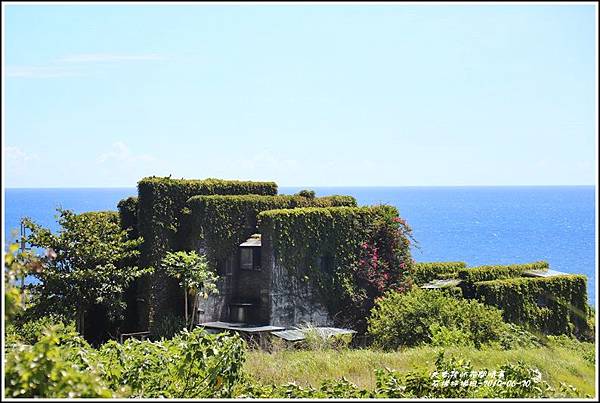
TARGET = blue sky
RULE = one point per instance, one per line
(102, 95)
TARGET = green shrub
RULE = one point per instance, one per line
(407, 319)
(424, 272)
(442, 336)
(551, 305)
(515, 337)
(191, 365)
(56, 366)
(485, 273)
(29, 332)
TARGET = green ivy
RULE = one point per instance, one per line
(161, 203)
(323, 245)
(128, 215)
(552, 305)
(223, 222)
(424, 272)
(497, 272)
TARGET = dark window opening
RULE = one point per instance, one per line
(250, 258)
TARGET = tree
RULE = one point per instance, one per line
(195, 277)
(88, 262)
(310, 194)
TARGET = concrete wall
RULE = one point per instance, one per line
(292, 302)
(215, 307)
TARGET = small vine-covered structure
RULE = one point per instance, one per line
(529, 294)
(287, 259)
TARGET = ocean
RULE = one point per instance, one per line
(477, 225)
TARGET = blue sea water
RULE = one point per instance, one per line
(478, 225)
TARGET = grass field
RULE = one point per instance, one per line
(557, 363)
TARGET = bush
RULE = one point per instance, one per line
(425, 272)
(408, 319)
(191, 365)
(30, 332)
(442, 336)
(56, 366)
(63, 365)
(586, 349)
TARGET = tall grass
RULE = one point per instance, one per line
(558, 363)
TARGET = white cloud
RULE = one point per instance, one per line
(18, 156)
(121, 153)
(39, 71)
(108, 57)
(72, 65)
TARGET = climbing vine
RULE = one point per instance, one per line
(223, 222)
(161, 203)
(349, 254)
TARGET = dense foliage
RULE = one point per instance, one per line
(61, 364)
(161, 210)
(307, 193)
(84, 266)
(424, 272)
(57, 366)
(348, 254)
(486, 273)
(16, 266)
(552, 305)
(190, 365)
(128, 215)
(223, 222)
(421, 316)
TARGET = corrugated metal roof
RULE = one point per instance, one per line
(544, 273)
(241, 327)
(435, 284)
(254, 240)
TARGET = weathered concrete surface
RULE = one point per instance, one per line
(294, 302)
(214, 308)
(291, 301)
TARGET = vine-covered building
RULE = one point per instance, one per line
(284, 260)
(273, 253)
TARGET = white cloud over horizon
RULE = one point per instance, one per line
(108, 57)
(39, 72)
(70, 65)
(16, 155)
